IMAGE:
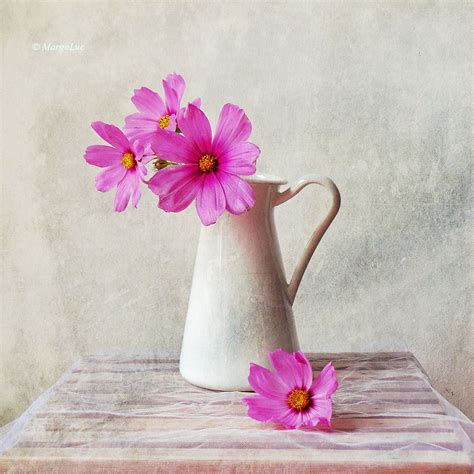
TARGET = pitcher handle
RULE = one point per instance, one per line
(317, 235)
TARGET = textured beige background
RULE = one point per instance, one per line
(377, 96)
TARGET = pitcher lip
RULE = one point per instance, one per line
(265, 179)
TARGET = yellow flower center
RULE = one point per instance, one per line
(128, 160)
(207, 163)
(299, 399)
(164, 121)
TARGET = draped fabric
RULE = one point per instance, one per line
(134, 412)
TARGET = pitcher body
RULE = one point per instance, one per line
(240, 305)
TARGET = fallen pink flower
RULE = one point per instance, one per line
(210, 168)
(121, 162)
(290, 396)
(154, 113)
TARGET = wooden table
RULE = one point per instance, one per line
(134, 413)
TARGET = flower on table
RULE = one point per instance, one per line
(154, 113)
(289, 395)
(210, 168)
(121, 162)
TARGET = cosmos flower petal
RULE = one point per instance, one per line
(326, 382)
(323, 409)
(173, 178)
(172, 102)
(264, 409)
(173, 86)
(112, 135)
(102, 155)
(210, 199)
(135, 177)
(240, 159)
(135, 186)
(196, 127)
(139, 126)
(124, 190)
(149, 102)
(138, 149)
(174, 147)
(310, 418)
(233, 127)
(181, 198)
(305, 369)
(148, 155)
(325, 421)
(287, 368)
(266, 383)
(137, 119)
(239, 195)
(290, 418)
(136, 195)
(196, 102)
(142, 170)
(110, 177)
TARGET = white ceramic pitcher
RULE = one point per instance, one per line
(240, 303)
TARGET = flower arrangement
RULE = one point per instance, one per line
(189, 163)
(290, 396)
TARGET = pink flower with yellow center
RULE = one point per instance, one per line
(290, 396)
(121, 162)
(209, 167)
(154, 113)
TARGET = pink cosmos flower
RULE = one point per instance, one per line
(154, 114)
(121, 163)
(290, 396)
(210, 168)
